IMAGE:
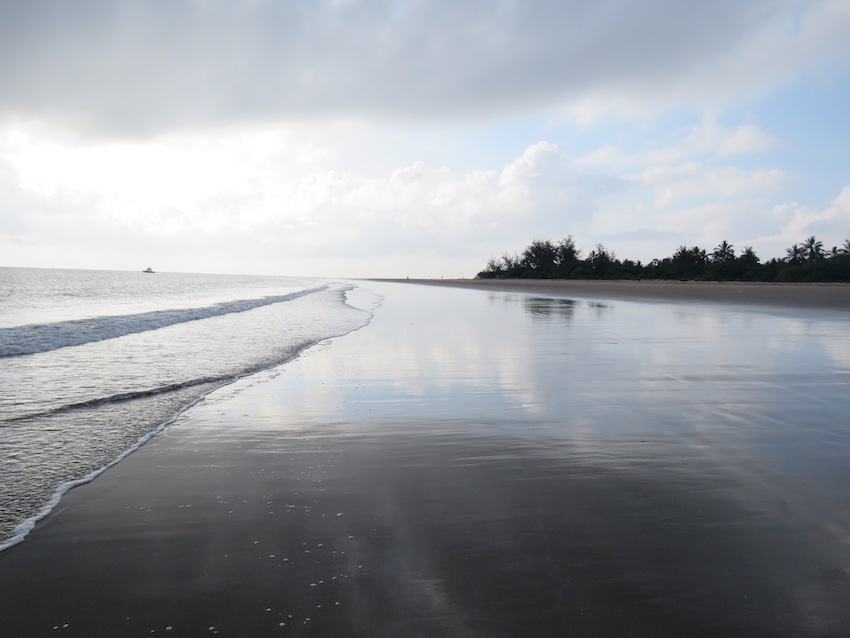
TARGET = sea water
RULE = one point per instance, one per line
(92, 363)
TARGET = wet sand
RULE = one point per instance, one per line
(833, 296)
(479, 463)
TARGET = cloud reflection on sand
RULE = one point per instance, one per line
(560, 358)
(694, 376)
(676, 468)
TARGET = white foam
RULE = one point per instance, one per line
(24, 528)
(32, 339)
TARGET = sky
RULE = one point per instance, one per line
(393, 138)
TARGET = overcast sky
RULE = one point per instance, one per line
(413, 137)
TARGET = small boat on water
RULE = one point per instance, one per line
(148, 269)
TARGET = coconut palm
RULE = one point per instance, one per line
(723, 253)
(748, 255)
(794, 255)
(813, 249)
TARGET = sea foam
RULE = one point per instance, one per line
(31, 339)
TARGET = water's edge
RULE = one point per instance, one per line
(22, 530)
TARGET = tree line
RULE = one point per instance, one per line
(807, 261)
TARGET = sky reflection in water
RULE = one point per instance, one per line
(631, 466)
(689, 388)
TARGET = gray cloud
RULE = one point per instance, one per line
(129, 67)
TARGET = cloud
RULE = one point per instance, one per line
(693, 179)
(753, 221)
(195, 196)
(740, 52)
(419, 207)
(747, 139)
(121, 66)
(707, 139)
(277, 199)
(709, 224)
(797, 221)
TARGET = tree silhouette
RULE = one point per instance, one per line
(493, 269)
(794, 255)
(688, 263)
(685, 255)
(723, 253)
(600, 260)
(813, 249)
(511, 265)
(567, 257)
(748, 256)
(542, 259)
(539, 259)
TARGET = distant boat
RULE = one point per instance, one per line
(149, 269)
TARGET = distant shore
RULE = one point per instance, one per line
(831, 296)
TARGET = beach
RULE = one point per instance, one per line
(512, 458)
(833, 296)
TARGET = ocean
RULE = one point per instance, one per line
(93, 363)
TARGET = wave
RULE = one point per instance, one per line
(22, 340)
(20, 532)
(147, 409)
(129, 396)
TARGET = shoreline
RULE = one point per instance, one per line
(825, 296)
(476, 465)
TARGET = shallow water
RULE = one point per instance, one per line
(482, 464)
(93, 362)
(552, 464)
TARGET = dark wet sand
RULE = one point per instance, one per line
(834, 296)
(474, 464)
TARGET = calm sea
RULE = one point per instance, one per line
(92, 363)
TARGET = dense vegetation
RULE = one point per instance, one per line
(807, 261)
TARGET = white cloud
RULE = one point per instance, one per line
(319, 200)
(707, 139)
(770, 229)
(708, 224)
(747, 139)
(711, 139)
(693, 179)
(251, 191)
(419, 207)
(797, 221)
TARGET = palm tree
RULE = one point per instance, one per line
(748, 255)
(723, 253)
(845, 248)
(813, 249)
(794, 255)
